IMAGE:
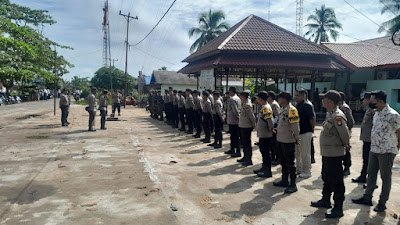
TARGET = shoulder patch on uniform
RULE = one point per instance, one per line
(293, 116)
(267, 113)
(339, 120)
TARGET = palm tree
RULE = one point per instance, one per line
(324, 24)
(211, 26)
(391, 6)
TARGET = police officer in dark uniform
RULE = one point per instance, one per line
(334, 140)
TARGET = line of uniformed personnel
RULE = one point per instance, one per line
(278, 127)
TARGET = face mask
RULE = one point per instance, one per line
(372, 105)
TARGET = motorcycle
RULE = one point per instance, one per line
(17, 99)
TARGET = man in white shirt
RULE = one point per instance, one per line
(385, 142)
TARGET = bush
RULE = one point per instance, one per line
(85, 92)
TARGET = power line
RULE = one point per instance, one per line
(154, 56)
(388, 8)
(156, 23)
(364, 15)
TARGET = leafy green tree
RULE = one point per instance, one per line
(390, 6)
(211, 26)
(80, 83)
(104, 76)
(163, 68)
(323, 25)
(25, 53)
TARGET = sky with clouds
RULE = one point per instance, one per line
(79, 25)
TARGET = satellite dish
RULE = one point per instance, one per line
(396, 38)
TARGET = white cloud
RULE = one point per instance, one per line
(79, 26)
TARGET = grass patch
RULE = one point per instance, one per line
(81, 102)
(38, 137)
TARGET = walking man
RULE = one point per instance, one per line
(92, 108)
(116, 102)
(265, 127)
(233, 111)
(287, 137)
(307, 125)
(365, 137)
(334, 140)
(103, 109)
(64, 106)
(247, 123)
(385, 144)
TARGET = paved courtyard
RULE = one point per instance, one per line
(142, 171)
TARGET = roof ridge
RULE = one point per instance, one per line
(294, 35)
(386, 36)
(235, 32)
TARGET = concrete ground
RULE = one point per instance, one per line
(141, 171)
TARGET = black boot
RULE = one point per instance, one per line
(247, 162)
(240, 160)
(237, 153)
(282, 183)
(336, 212)
(264, 173)
(259, 170)
(322, 203)
(291, 189)
(231, 151)
(360, 179)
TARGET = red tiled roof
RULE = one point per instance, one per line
(254, 60)
(369, 53)
(257, 34)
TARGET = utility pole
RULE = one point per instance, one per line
(113, 60)
(128, 19)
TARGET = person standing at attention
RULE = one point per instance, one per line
(307, 125)
(385, 144)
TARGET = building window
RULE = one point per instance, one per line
(398, 95)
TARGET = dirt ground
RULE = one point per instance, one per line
(142, 171)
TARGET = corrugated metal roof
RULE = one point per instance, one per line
(369, 53)
(256, 34)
